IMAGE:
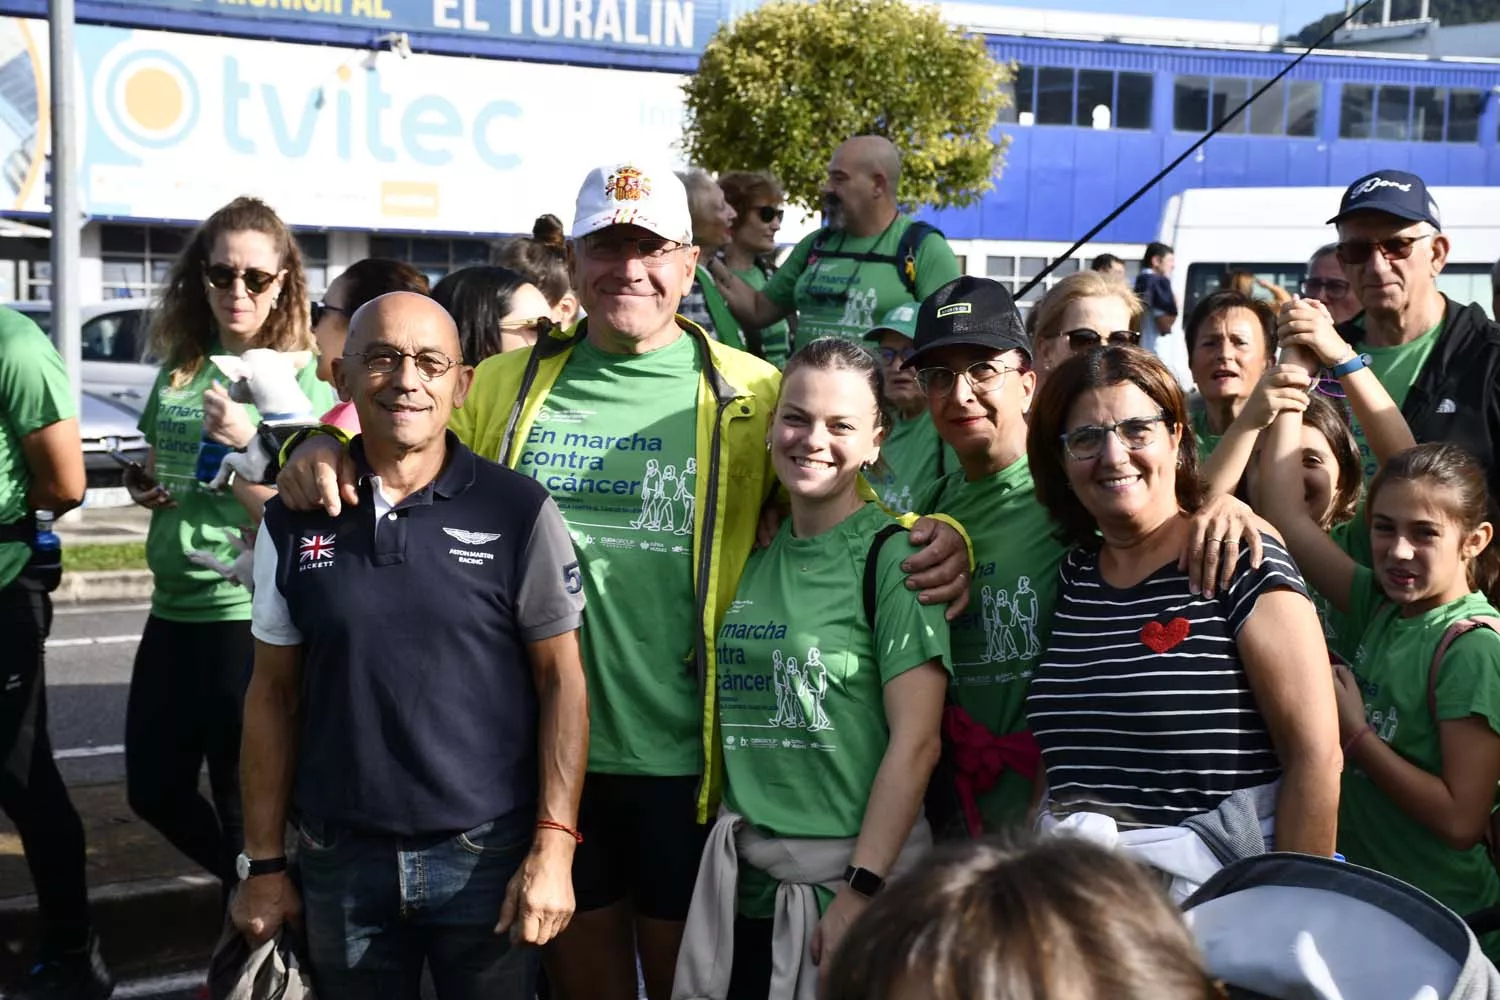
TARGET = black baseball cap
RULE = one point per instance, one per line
(969, 310)
(1393, 192)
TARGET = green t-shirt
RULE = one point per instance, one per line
(998, 640)
(801, 680)
(1207, 440)
(34, 393)
(776, 339)
(839, 297)
(1391, 664)
(912, 458)
(615, 445)
(173, 425)
(1397, 368)
(1338, 631)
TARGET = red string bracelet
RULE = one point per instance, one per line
(1356, 738)
(548, 824)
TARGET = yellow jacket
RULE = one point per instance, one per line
(736, 400)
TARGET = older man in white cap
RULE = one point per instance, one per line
(651, 436)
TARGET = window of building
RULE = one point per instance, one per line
(432, 256)
(1304, 101)
(1086, 98)
(1190, 104)
(314, 247)
(137, 259)
(1356, 111)
(1393, 114)
(1429, 108)
(1229, 93)
(1464, 109)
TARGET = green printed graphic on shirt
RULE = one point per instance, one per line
(615, 445)
(1206, 439)
(840, 297)
(776, 339)
(1397, 369)
(1391, 666)
(912, 458)
(34, 393)
(202, 520)
(801, 678)
(999, 638)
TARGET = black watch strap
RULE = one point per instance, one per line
(265, 866)
(863, 881)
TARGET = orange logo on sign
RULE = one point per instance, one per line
(627, 184)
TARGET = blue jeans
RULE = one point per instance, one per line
(378, 906)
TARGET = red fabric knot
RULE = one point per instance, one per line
(980, 757)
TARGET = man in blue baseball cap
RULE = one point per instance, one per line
(1439, 359)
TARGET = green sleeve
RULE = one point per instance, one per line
(1365, 598)
(929, 500)
(319, 393)
(147, 424)
(1469, 678)
(908, 633)
(782, 288)
(936, 265)
(1354, 537)
(33, 382)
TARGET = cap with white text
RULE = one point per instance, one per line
(633, 194)
(902, 320)
(1391, 192)
(970, 311)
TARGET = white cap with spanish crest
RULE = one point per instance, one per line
(633, 193)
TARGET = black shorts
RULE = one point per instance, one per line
(641, 841)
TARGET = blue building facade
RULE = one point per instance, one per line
(1334, 118)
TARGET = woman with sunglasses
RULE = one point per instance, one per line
(757, 199)
(1153, 704)
(1081, 311)
(359, 283)
(237, 284)
(496, 310)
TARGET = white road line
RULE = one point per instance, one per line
(94, 640)
(100, 609)
(75, 753)
(159, 984)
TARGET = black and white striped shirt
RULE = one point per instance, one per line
(1140, 703)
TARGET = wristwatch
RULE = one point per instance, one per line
(245, 867)
(1351, 366)
(863, 881)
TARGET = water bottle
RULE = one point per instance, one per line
(211, 455)
(46, 552)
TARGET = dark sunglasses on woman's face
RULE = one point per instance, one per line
(222, 277)
(769, 214)
(320, 309)
(1082, 340)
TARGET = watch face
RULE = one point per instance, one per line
(242, 867)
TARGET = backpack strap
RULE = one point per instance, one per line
(1457, 629)
(906, 253)
(872, 571)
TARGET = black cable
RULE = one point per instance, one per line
(1112, 216)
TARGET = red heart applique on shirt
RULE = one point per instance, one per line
(1160, 638)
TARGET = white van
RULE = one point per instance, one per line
(1271, 232)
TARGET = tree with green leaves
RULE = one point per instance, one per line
(781, 86)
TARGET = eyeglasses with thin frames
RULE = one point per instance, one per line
(653, 251)
(541, 326)
(1085, 443)
(222, 277)
(1333, 288)
(385, 360)
(1357, 252)
(983, 376)
(320, 309)
(889, 356)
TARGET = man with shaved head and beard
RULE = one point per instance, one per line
(867, 260)
(418, 693)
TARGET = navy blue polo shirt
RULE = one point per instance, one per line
(419, 710)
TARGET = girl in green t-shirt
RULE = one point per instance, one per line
(829, 719)
(1421, 766)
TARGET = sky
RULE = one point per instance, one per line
(1291, 15)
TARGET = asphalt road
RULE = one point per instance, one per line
(89, 656)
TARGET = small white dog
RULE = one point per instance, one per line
(268, 380)
(242, 570)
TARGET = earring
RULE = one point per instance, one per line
(768, 444)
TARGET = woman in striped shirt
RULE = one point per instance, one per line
(1157, 707)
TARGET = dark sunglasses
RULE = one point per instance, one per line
(1082, 340)
(320, 309)
(1357, 252)
(768, 214)
(890, 356)
(222, 277)
(1334, 288)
